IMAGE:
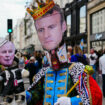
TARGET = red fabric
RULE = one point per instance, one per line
(26, 62)
(40, 102)
(96, 92)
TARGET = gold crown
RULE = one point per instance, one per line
(42, 8)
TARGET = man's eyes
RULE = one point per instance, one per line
(40, 30)
(4, 51)
(10, 51)
(52, 26)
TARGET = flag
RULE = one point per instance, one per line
(82, 44)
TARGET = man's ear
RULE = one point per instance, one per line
(64, 26)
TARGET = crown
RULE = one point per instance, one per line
(37, 12)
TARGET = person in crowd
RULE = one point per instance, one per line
(78, 56)
(32, 67)
(39, 59)
(102, 69)
(70, 50)
(61, 76)
(12, 91)
(21, 64)
(68, 57)
(45, 60)
(93, 59)
(24, 56)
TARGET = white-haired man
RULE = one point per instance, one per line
(11, 77)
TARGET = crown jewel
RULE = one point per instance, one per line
(37, 12)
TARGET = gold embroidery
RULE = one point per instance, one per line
(88, 86)
(48, 81)
(60, 95)
(62, 74)
(62, 80)
(80, 103)
(77, 96)
(49, 88)
(48, 96)
(47, 103)
(61, 88)
(50, 75)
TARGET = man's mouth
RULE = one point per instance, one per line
(48, 41)
(7, 59)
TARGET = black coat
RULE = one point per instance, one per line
(13, 83)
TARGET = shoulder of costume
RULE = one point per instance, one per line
(76, 67)
(79, 67)
(38, 77)
(41, 73)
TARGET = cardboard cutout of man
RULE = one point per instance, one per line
(60, 77)
(13, 92)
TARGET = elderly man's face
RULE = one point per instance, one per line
(50, 30)
(92, 51)
(7, 52)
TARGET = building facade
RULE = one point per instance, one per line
(62, 3)
(31, 39)
(76, 19)
(18, 35)
(96, 24)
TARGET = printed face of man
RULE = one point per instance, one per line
(50, 30)
(7, 52)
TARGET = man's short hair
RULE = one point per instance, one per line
(4, 41)
(32, 58)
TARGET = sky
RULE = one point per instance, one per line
(10, 9)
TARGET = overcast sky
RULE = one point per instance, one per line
(10, 9)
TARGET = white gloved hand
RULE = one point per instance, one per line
(63, 101)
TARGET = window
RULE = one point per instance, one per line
(82, 26)
(98, 22)
(68, 25)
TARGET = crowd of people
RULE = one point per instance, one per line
(40, 59)
(33, 63)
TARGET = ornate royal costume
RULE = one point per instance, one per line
(52, 83)
(57, 83)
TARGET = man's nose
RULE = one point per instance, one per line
(46, 33)
(7, 54)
